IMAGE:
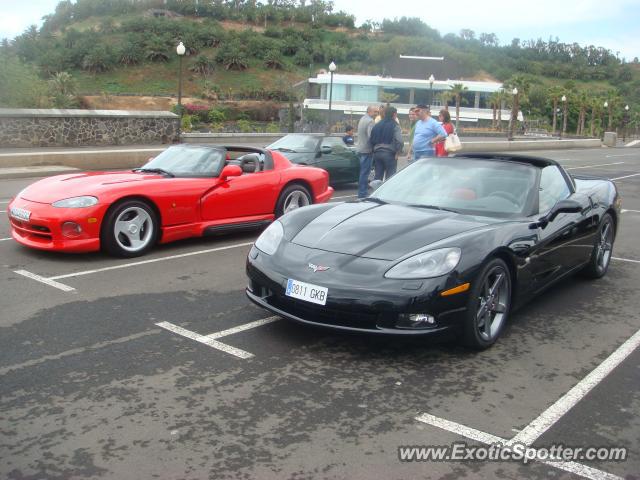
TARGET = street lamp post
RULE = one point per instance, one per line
(332, 69)
(431, 80)
(564, 115)
(606, 106)
(180, 50)
(514, 113)
(625, 121)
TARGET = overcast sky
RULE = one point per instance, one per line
(614, 24)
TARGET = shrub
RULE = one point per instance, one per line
(217, 115)
(245, 126)
(186, 124)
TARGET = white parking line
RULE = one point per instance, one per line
(621, 155)
(625, 260)
(489, 439)
(210, 340)
(242, 328)
(46, 281)
(624, 210)
(5, 201)
(5, 239)
(153, 260)
(74, 351)
(593, 166)
(626, 176)
(345, 196)
(555, 412)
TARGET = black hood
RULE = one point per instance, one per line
(384, 232)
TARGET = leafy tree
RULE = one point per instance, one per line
(273, 59)
(20, 86)
(202, 65)
(62, 88)
(232, 56)
(99, 59)
(156, 50)
(457, 90)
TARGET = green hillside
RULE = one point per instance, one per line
(248, 50)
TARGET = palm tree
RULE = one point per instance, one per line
(584, 101)
(457, 90)
(445, 97)
(519, 86)
(555, 92)
(495, 100)
(613, 99)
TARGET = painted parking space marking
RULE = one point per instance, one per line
(152, 260)
(46, 281)
(344, 196)
(489, 439)
(626, 176)
(547, 419)
(74, 351)
(622, 155)
(211, 339)
(53, 281)
(625, 260)
(5, 239)
(594, 166)
(555, 412)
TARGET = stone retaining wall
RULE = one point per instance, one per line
(66, 128)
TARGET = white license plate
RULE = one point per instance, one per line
(307, 291)
(20, 214)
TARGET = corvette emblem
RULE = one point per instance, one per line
(318, 268)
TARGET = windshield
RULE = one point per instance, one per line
(470, 186)
(296, 143)
(189, 161)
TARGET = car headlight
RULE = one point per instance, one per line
(76, 202)
(269, 240)
(426, 265)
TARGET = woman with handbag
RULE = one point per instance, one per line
(445, 118)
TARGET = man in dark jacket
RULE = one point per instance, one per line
(387, 143)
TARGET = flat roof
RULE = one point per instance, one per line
(391, 82)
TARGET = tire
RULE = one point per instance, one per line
(130, 229)
(602, 249)
(291, 198)
(488, 306)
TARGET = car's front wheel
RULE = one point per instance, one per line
(602, 249)
(130, 229)
(489, 305)
(291, 198)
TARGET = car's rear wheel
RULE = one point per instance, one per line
(602, 249)
(489, 305)
(130, 229)
(291, 198)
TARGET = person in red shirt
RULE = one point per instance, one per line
(445, 118)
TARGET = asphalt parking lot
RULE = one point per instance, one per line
(159, 367)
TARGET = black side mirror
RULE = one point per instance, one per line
(563, 206)
(325, 149)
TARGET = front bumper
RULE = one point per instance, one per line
(359, 298)
(43, 230)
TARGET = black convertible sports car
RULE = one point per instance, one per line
(447, 243)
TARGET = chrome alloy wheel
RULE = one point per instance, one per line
(492, 303)
(295, 200)
(604, 246)
(133, 229)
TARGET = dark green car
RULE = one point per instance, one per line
(322, 151)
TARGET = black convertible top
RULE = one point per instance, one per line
(508, 157)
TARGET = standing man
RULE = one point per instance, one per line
(365, 149)
(386, 138)
(412, 130)
(428, 132)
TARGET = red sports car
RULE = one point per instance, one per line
(186, 191)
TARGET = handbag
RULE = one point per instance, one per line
(452, 143)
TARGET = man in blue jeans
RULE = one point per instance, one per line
(428, 132)
(365, 150)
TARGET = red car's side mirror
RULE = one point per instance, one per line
(230, 171)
